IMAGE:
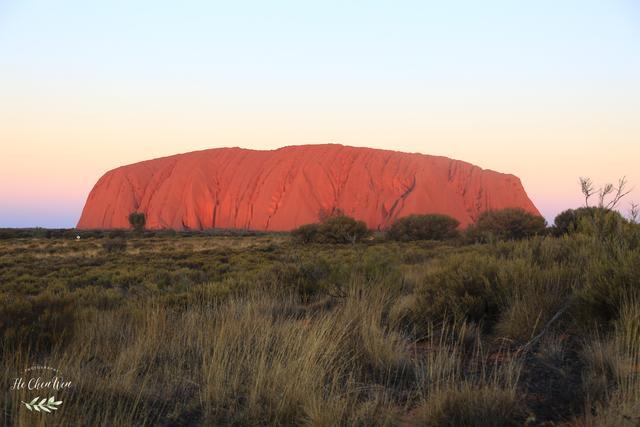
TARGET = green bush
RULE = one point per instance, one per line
(39, 322)
(307, 233)
(464, 287)
(610, 280)
(572, 220)
(506, 224)
(137, 220)
(566, 222)
(423, 227)
(333, 229)
(343, 229)
(606, 225)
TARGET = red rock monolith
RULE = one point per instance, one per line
(285, 188)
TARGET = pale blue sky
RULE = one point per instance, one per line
(297, 44)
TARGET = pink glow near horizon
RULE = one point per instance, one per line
(55, 190)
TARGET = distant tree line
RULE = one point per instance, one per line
(334, 226)
(506, 224)
(600, 219)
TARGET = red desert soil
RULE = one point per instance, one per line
(284, 188)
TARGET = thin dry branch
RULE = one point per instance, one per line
(615, 193)
(621, 191)
(587, 189)
(634, 212)
(544, 330)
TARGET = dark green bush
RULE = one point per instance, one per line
(572, 220)
(343, 229)
(424, 227)
(307, 233)
(506, 224)
(137, 220)
(611, 279)
(333, 229)
(566, 222)
(605, 226)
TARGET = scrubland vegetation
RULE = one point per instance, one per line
(503, 325)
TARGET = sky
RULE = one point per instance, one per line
(546, 90)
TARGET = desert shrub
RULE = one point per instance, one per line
(137, 220)
(307, 233)
(328, 275)
(413, 255)
(568, 221)
(301, 277)
(98, 297)
(472, 407)
(210, 292)
(402, 313)
(611, 279)
(114, 244)
(532, 299)
(611, 380)
(423, 227)
(572, 252)
(464, 287)
(381, 352)
(506, 224)
(453, 395)
(627, 329)
(379, 266)
(503, 286)
(39, 322)
(606, 226)
(343, 229)
(333, 229)
(602, 366)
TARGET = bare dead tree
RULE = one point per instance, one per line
(603, 193)
(620, 191)
(587, 189)
(609, 195)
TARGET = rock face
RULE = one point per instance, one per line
(285, 188)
